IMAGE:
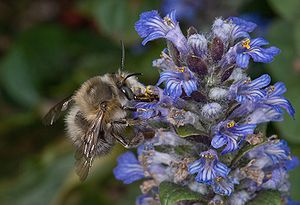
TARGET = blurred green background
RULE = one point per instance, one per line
(49, 47)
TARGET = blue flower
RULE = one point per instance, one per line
(149, 110)
(276, 151)
(128, 169)
(278, 180)
(145, 199)
(208, 167)
(252, 48)
(230, 134)
(292, 163)
(261, 113)
(151, 26)
(177, 80)
(246, 90)
(276, 100)
(240, 198)
(261, 108)
(243, 24)
(153, 109)
(223, 186)
(291, 202)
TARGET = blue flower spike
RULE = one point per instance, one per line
(212, 110)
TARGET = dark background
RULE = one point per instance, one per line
(48, 48)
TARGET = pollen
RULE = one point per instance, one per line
(207, 156)
(230, 124)
(247, 81)
(181, 69)
(218, 179)
(148, 91)
(169, 21)
(245, 43)
(271, 89)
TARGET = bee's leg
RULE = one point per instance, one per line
(133, 109)
(127, 122)
(121, 140)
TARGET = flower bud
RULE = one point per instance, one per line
(221, 29)
(227, 73)
(198, 43)
(211, 111)
(217, 49)
(218, 93)
(196, 65)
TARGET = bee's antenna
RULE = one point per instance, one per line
(122, 55)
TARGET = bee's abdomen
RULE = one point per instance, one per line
(76, 126)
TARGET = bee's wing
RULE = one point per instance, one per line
(85, 154)
(55, 112)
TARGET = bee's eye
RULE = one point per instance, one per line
(103, 105)
(128, 92)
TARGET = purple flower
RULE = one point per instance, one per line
(230, 134)
(153, 109)
(278, 180)
(145, 199)
(291, 202)
(246, 90)
(275, 99)
(178, 80)
(261, 113)
(128, 169)
(151, 26)
(252, 48)
(208, 167)
(240, 198)
(149, 110)
(261, 108)
(292, 163)
(276, 151)
(243, 24)
(223, 186)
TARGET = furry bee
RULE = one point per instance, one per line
(98, 116)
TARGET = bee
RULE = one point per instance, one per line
(98, 116)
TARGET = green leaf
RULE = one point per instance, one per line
(170, 193)
(294, 178)
(39, 180)
(188, 130)
(288, 9)
(116, 18)
(266, 197)
(282, 70)
(297, 37)
(16, 79)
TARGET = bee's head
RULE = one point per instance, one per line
(123, 84)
